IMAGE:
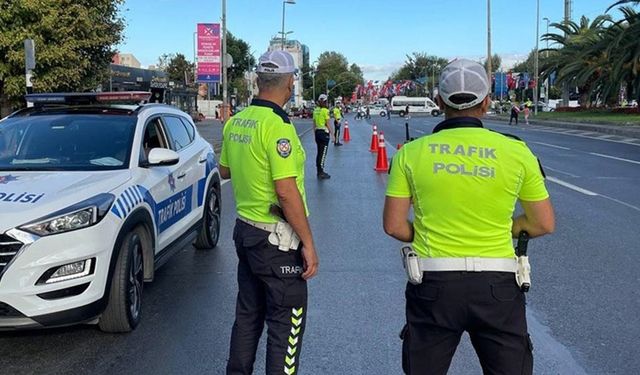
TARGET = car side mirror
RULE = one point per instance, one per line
(162, 157)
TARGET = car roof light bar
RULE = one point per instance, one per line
(76, 98)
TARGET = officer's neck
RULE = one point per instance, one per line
(273, 96)
(477, 113)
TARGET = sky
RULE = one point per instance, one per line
(375, 34)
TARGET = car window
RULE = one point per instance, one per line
(66, 142)
(190, 129)
(177, 132)
(153, 137)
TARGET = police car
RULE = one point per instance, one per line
(94, 197)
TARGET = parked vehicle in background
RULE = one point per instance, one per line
(416, 105)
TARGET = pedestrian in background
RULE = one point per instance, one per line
(388, 108)
(526, 114)
(263, 156)
(337, 116)
(463, 182)
(322, 126)
(515, 110)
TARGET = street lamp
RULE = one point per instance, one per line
(489, 67)
(285, 2)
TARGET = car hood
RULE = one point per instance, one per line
(28, 196)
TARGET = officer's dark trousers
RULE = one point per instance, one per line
(488, 305)
(322, 141)
(336, 124)
(271, 289)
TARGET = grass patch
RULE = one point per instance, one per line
(591, 117)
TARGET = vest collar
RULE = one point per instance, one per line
(458, 122)
(276, 108)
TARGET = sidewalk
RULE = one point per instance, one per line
(632, 131)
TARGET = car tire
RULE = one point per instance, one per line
(124, 307)
(210, 231)
(435, 113)
(401, 113)
(383, 114)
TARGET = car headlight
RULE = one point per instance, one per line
(77, 216)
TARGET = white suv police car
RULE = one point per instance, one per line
(94, 197)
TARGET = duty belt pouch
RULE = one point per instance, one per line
(411, 264)
(523, 273)
(284, 237)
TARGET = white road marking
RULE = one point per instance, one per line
(615, 158)
(559, 171)
(572, 187)
(550, 145)
(621, 202)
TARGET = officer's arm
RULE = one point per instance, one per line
(225, 172)
(538, 219)
(394, 218)
(329, 127)
(293, 208)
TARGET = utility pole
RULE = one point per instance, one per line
(29, 65)
(537, 62)
(225, 100)
(489, 67)
(565, 86)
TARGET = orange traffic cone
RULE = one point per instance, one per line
(382, 164)
(347, 136)
(374, 140)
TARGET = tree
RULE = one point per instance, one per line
(623, 47)
(578, 58)
(177, 67)
(333, 72)
(421, 68)
(496, 62)
(74, 42)
(528, 65)
(242, 58)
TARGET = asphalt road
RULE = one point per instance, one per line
(582, 308)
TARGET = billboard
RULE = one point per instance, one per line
(208, 52)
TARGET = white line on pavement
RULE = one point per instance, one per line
(559, 171)
(547, 129)
(621, 202)
(572, 187)
(550, 145)
(615, 158)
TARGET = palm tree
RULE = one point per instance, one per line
(577, 56)
(623, 45)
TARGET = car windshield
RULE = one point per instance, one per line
(66, 142)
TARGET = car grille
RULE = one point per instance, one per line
(9, 247)
(8, 311)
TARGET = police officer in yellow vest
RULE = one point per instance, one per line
(463, 182)
(264, 158)
(322, 127)
(337, 116)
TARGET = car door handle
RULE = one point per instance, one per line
(181, 175)
(202, 160)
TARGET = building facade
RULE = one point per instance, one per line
(297, 50)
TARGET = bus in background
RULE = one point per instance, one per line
(416, 105)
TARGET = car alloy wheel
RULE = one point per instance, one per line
(136, 279)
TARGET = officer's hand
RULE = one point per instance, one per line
(310, 259)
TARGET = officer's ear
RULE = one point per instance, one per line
(486, 104)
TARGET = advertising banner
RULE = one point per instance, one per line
(501, 87)
(209, 52)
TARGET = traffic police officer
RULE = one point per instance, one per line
(321, 119)
(337, 116)
(463, 182)
(264, 158)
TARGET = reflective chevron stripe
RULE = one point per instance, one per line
(292, 349)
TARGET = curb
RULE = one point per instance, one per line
(619, 130)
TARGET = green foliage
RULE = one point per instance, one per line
(242, 58)
(421, 67)
(333, 66)
(74, 42)
(177, 67)
(496, 63)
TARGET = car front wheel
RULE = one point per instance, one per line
(124, 308)
(210, 231)
(401, 113)
(435, 113)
